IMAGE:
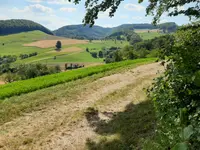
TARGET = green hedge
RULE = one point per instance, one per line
(26, 86)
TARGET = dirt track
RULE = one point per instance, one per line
(63, 125)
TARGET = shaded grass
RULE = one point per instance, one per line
(126, 130)
(15, 106)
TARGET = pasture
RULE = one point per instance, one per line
(73, 50)
(146, 34)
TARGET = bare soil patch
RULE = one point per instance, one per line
(52, 43)
(2, 82)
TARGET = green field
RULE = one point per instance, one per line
(145, 35)
(26, 86)
(13, 45)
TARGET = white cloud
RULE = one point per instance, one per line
(163, 21)
(67, 9)
(36, 8)
(58, 2)
(124, 16)
(137, 18)
(134, 7)
(104, 14)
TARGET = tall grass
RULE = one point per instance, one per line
(26, 86)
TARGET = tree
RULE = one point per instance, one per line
(87, 49)
(135, 38)
(155, 8)
(100, 54)
(93, 54)
(58, 45)
(117, 56)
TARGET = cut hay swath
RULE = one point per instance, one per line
(26, 86)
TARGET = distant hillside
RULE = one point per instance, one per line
(97, 32)
(83, 32)
(19, 25)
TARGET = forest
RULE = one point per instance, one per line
(19, 25)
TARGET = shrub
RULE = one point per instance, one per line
(176, 93)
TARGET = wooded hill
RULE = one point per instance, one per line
(97, 32)
(19, 25)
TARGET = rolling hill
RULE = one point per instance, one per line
(19, 25)
(97, 32)
(83, 32)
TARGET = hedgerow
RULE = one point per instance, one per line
(26, 86)
(176, 94)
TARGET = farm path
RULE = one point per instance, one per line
(63, 125)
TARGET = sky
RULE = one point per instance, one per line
(54, 14)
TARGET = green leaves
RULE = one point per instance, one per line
(197, 78)
(181, 146)
(187, 132)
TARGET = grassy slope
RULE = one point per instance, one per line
(17, 105)
(14, 43)
(26, 86)
(148, 36)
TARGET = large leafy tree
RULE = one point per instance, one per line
(155, 8)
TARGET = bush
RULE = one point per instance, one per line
(176, 93)
(93, 54)
(24, 56)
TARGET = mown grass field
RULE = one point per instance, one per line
(14, 45)
(145, 35)
(26, 86)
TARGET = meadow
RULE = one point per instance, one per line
(145, 35)
(36, 41)
(26, 86)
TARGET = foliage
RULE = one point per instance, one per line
(5, 62)
(82, 32)
(93, 54)
(7, 59)
(98, 32)
(134, 38)
(58, 45)
(27, 71)
(24, 56)
(173, 8)
(155, 8)
(20, 25)
(26, 86)
(176, 93)
(100, 54)
(168, 27)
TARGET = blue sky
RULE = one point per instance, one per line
(56, 13)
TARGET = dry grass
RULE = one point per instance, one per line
(2, 82)
(52, 118)
(52, 43)
(67, 50)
